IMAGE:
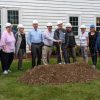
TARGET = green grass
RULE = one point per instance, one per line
(10, 89)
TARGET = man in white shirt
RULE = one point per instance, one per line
(48, 39)
(84, 43)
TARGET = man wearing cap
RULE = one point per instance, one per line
(84, 43)
(48, 39)
(70, 42)
(59, 34)
(20, 45)
(92, 45)
(35, 42)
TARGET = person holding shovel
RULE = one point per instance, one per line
(70, 42)
(59, 34)
(48, 39)
(20, 45)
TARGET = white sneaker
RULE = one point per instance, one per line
(59, 63)
(5, 72)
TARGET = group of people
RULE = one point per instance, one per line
(90, 40)
(11, 44)
(41, 43)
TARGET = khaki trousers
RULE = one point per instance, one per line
(46, 53)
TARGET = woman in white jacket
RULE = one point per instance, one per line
(20, 45)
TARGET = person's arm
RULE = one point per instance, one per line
(79, 37)
(42, 43)
(16, 38)
(25, 42)
(56, 35)
(49, 38)
(75, 41)
(42, 36)
(29, 40)
(88, 39)
(66, 40)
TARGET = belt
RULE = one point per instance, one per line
(47, 45)
(36, 43)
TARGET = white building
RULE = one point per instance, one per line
(75, 11)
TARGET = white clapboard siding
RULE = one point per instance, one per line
(53, 10)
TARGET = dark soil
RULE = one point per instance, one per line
(58, 74)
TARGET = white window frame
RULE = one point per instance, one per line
(4, 16)
(19, 12)
(96, 20)
(79, 22)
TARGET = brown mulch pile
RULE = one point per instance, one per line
(58, 74)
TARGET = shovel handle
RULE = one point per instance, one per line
(60, 52)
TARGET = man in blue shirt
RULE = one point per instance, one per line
(35, 43)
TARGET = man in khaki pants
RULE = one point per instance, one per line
(48, 43)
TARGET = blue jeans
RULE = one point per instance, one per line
(84, 52)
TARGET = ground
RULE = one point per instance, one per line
(10, 89)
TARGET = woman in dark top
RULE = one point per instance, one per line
(92, 45)
(20, 45)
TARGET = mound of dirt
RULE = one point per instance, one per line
(58, 74)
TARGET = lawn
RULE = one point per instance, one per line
(10, 89)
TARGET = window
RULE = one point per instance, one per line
(74, 21)
(98, 24)
(13, 18)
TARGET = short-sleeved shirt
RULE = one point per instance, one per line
(83, 39)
